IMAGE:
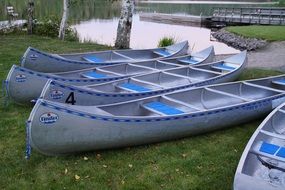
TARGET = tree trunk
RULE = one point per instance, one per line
(30, 16)
(63, 24)
(125, 25)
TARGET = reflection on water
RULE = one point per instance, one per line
(147, 34)
(96, 20)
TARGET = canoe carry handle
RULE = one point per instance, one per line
(28, 140)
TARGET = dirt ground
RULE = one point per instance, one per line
(271, 57)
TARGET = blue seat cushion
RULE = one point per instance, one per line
(223, 67)
(162, 52)
(281, 152)
(269, 148)
(163, 108)
(93, 74)
(280, 81)
(188, 60)
(93, 59)
(135, 87)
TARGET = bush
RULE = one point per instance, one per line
(166, 41)
(50, 27)
(282, 3)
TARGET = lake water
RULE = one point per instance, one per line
(97, 20)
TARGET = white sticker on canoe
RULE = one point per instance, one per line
(21, 78)
(56, 94)
(33, 57)
(277, 102)
(48, 118)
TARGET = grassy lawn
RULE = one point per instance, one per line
(270, 33)
(204, 162)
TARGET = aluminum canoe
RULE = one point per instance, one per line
(262, 164)
(45, 62)
(24, 84)
(55, 128)
(147, 85)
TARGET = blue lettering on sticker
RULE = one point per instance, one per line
(21, 78)
(48, 118)
(33, 57)
(56, 94)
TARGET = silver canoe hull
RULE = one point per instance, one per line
(24, 84)
(262, 164)
(55, 128)
(45, 62)
(107, 93)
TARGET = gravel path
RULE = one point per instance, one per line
(272, 56)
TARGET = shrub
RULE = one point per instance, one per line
(282, 3)
(166, 41)
(50, 27)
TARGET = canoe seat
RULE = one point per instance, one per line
(162, 108)
(93, 75)
(134, 87)
(188, 61)
(272, 149)
(223, 67)
(161, 52)
(93, 59)
(280, 81)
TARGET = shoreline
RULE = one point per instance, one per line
(261, 54)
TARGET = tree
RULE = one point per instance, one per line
(125, 25)
(30, 16)
(63, 24)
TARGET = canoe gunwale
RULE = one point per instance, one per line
(246, 105)
(58, 57)
(78, 89)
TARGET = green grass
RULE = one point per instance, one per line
(270, 33)
(166, 41)
(204, 162)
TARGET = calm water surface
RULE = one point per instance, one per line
(97, 20)
(147, 34)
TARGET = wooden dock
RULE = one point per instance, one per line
(186, 20)
(240, 16)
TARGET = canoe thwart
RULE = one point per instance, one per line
(162, 108)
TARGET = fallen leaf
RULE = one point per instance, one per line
(105, 166)
(177, 170)
(130, 165)
(85, 158)
(122, 182)
(77, 177)
(65, 171)
(87, 176)
(184, 155)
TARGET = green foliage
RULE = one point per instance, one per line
(50, 27)
(281, 3)
(166, 41)
(270, 33)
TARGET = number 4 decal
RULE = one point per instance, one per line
(70, 99)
